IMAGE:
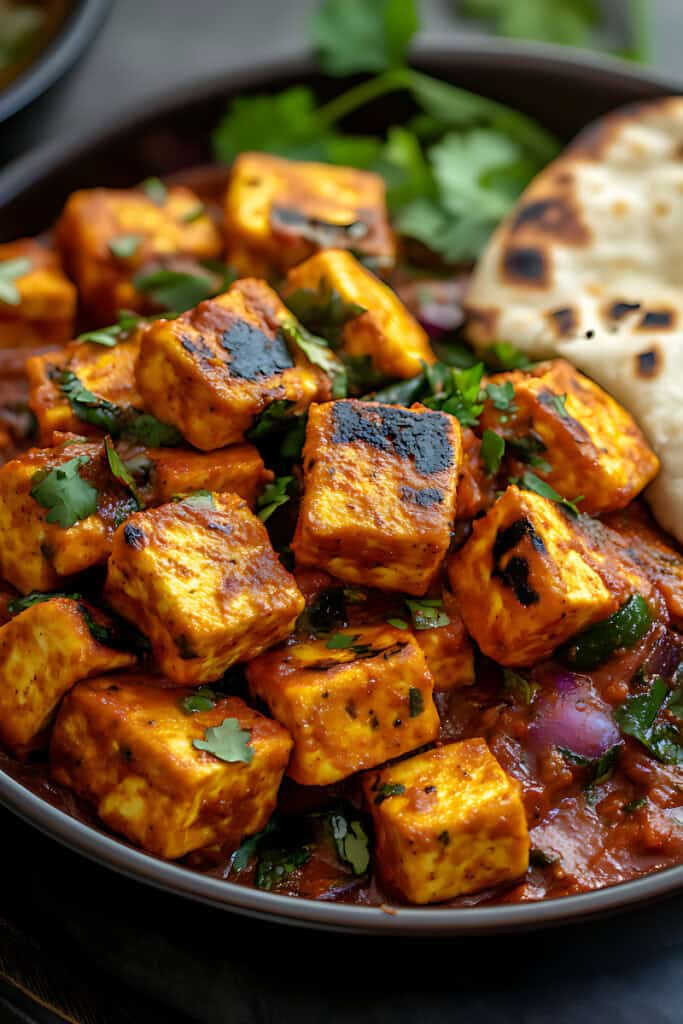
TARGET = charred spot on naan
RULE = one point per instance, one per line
(616, 311)
(658, 319)
(554, 215)
(649, 364)
(564, 320)
(526, 265)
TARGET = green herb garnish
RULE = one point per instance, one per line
(351, 841)
(427, 613)
(274, 496)
(120, 471)
(530, 482)
(10, 271)
(124, 246)
(492, 450)
(416, 702)
(203, 699)
(319, 353)
(111, 336)
(227, 741)
(637, 716)
(389, 789)
(155, 189)
(62, 490)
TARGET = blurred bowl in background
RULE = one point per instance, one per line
(39, 42)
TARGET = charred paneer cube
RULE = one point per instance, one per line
(107, 372)
(59, 508)
(351, 700)
(447, 822)
(37, 300)
(163, 474)
(44, 650)
(199, 577)
(212, 371)
(577, 437)
(279, 212)
(446, 645)
(380, 489)
(337, 298)
(532, 575)
(108, 238)
(169, 779)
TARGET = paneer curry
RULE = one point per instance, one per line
(296, 590)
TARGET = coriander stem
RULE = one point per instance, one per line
(365, 92)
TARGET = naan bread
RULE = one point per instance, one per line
(596, 238)
(644, 372)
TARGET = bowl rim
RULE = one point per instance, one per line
(115, 853)
(72, 37)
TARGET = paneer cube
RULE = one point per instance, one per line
(380, 488)
(108, 372)
(215, 369)
(350, 701)
(108, 236)
(37, 300)
(126, 744)
(447, 823)
(654, 553)
(278, 212)
(582, 442)
(43, 651)
(199, 577)
(40, 490)
(163, 474)
(381, 329)
(532, 575)
(448, 649)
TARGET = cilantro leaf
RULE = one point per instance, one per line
(503, 355)
(227, 742)
(286, 123)
(398, 623)
(194, 213)
(427, 613)
(274, 496)
(271, 418)
(319, 353)
(155, 189)
(351, 841)
(176, 290)
(323, 311)
(416, 702)
(111, 336)
(528, 449)
(341, 641)
(203, 699)
(120, 471)
(19, 604)
(363, 35)
(198, 499)
(636, 717)
(520, 688)
(124, 246)
(492, 450)
(114, 420)
(153, 433)
(389, 789)
(456, 391)
(502, 396)
(275, 866)
(558, 403)
(10, 270)
(531, 482)
(68, 497)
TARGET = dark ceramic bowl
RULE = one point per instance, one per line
(60, 54)
(564, 92)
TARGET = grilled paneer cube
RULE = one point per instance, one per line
(201, 579)
(340, 300)
(532, 575)
(59, 508)
(580, 440)
(278, 212)
(215, 369)
(127, 745)
(37, 300)
(109, 373)
(447, 823)
(644, 544)
(350, 701)
(43, 651)
(166, 473)
(107, 237)
(447, 648)
(380, 487)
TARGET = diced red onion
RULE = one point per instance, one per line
(571, 714)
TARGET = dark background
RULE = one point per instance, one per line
(105, 950)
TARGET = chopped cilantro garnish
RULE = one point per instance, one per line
(227, 741)
(492, 450)
(319, 353)
(271, 418)
(62, 490)
(389, 789)
(530, 482)
(416, 702)
(203, 699)
(323, 311)
(124, 246)
(398, 623)
(342, 641)
(351, 841)
(19, 604)
(519, 687)
(111, 336)
(120, 471)
(274, 496)
(10, 271)
(155, 189)
(502, 396)
(194, 213)
(427, 613)
(559, 404)
(637, 717)
(115, 420)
